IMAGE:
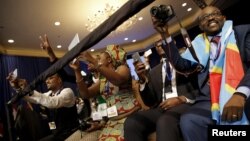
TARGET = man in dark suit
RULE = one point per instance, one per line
(234, 42)
(167, 101)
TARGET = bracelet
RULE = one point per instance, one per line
(78, 81)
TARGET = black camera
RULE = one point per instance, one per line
(84, 125)
(163, 13)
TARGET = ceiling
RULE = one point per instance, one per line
(25, 20)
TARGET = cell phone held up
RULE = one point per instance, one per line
(136, 57)
(14, 74)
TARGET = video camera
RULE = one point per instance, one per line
(163, 13)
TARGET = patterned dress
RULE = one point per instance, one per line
(124, 100)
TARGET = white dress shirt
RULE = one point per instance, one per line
(62, 98)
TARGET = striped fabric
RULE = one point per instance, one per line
(223, 81)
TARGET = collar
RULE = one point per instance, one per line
(163, 59)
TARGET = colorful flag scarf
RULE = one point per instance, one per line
(222, 75)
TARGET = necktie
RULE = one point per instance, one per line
(163, 78)
(168, 72)
(166, 75)
(167, 69)
(215, 48)
(216, 39)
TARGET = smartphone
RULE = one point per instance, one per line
(136, 57)
(14, 74)
(147, 53)
(73, 62)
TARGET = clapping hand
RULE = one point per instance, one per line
(89, 59)
(86, 56)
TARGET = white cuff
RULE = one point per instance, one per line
(244, 90)
(189, 101)
(168, 39)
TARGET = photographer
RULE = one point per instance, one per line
(220, 61)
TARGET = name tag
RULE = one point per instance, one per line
(170, 95)
(52, 125)
(112, 111)
(96, 116)
(102, 109)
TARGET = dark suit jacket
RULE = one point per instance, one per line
(152, 93)
(242, 33)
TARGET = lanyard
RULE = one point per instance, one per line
(166, 73)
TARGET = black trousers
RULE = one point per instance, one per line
(139, 125)
(59, 136)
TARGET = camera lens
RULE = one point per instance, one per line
(162, 12)
(154, 10)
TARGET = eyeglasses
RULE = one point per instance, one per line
(207, 16)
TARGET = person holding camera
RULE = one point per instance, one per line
(59, 100)
(223, 53)
(167, 94)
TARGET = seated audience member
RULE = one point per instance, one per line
(167, 94)
(29, 122)
(113, 91)
(223, 78)
(60, 101)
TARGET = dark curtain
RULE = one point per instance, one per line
(28, 68)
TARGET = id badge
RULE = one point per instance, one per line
(96, 116)
(102, 109)
(52, 125)
(170, 95)
(112, 111)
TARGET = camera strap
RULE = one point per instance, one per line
(188, 43)
(192, 51)
(187, 40)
